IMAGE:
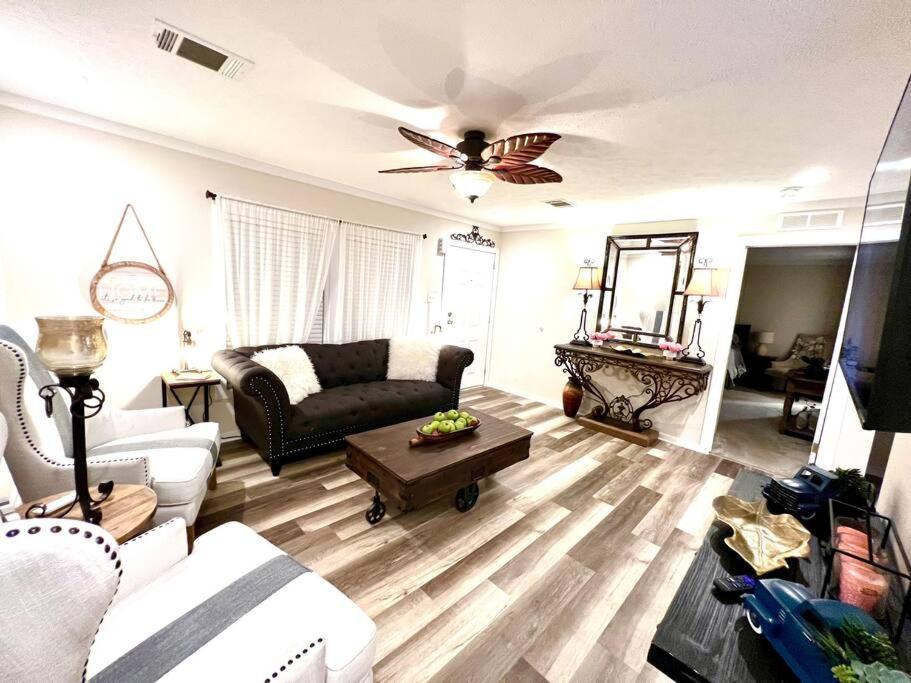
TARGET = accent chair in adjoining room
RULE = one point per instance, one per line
(152, 447)
(804, 346)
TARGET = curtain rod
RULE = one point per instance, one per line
(211, 195)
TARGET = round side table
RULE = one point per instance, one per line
(126, 513)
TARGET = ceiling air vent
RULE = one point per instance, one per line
(177, 42)
(558, 203)
(812, 220)
(884, 214)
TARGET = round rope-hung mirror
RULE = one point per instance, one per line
(131, 292)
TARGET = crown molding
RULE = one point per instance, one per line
(52, 111)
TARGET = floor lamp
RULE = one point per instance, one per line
(589, 278)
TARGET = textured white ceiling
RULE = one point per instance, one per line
(667, 109)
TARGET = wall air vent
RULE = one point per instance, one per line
(177, 42)
(812, 220)
(558, 203)
(884, 214)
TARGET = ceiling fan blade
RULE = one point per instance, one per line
(421, 169)
(429, 144)
(520, 149)
(527, 174)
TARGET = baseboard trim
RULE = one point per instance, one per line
(509, 390)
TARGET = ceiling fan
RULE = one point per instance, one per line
(477, 163)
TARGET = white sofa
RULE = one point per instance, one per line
(173, 617)
(153, 447)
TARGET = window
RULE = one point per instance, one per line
(276, 265)
(294, 277)
(373, 283)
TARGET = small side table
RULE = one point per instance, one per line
(799, 386)
(196, 381)
(126, 513)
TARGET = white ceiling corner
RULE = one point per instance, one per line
(666, 110)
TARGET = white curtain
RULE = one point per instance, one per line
(371, 290)
(276, 262)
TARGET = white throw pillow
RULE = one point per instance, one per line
(413, 358)
(292, 366)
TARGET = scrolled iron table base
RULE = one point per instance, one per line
(663, 381)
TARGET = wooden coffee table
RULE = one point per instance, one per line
(415, 476)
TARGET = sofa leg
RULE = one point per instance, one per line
(276, 468)
(191, 536)
(213, 481)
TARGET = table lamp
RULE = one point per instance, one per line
(589, 278)
(705, 282)
(73, 347)
(764, 338)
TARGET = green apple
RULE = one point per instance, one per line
(439, 417)
(452, 415)
(446, 427)
(472, 421)
(427, 429)
(435, 425)
(464, 415)
(460, 423)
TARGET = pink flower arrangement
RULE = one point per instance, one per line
(598, 338)
(672, 346)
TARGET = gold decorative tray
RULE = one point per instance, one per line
(764, 540)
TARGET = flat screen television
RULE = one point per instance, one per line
(876, 351)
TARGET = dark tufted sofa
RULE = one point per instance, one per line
(356, 396)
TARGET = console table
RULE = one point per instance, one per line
(663, 381)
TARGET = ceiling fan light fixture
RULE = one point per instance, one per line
(472, 184)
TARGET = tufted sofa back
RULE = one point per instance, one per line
(341, 364)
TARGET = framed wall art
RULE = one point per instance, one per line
(131, 291)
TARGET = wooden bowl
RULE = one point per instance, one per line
(440, 438)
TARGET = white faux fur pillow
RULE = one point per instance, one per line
(292, 366)
(413, 358)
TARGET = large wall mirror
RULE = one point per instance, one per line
(642, 287)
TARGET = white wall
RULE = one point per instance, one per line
(63, 189)
(895, 495)
(793, 299)
(536, 307)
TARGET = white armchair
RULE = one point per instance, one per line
(151, 447)
(75, 605)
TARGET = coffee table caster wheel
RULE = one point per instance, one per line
(377, 511)
(467, 497)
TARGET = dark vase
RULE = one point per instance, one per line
(572, 398)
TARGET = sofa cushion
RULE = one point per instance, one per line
(413, 358)
(293, 368)
(354, 363)
(357, 407)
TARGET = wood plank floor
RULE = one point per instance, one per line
(560, 573)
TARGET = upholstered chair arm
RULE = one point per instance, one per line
(151, 554)
(112, 424)
(128, 468)
(452, 363)
(252, 379)
(39, 476)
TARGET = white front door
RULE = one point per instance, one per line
(469, 276)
